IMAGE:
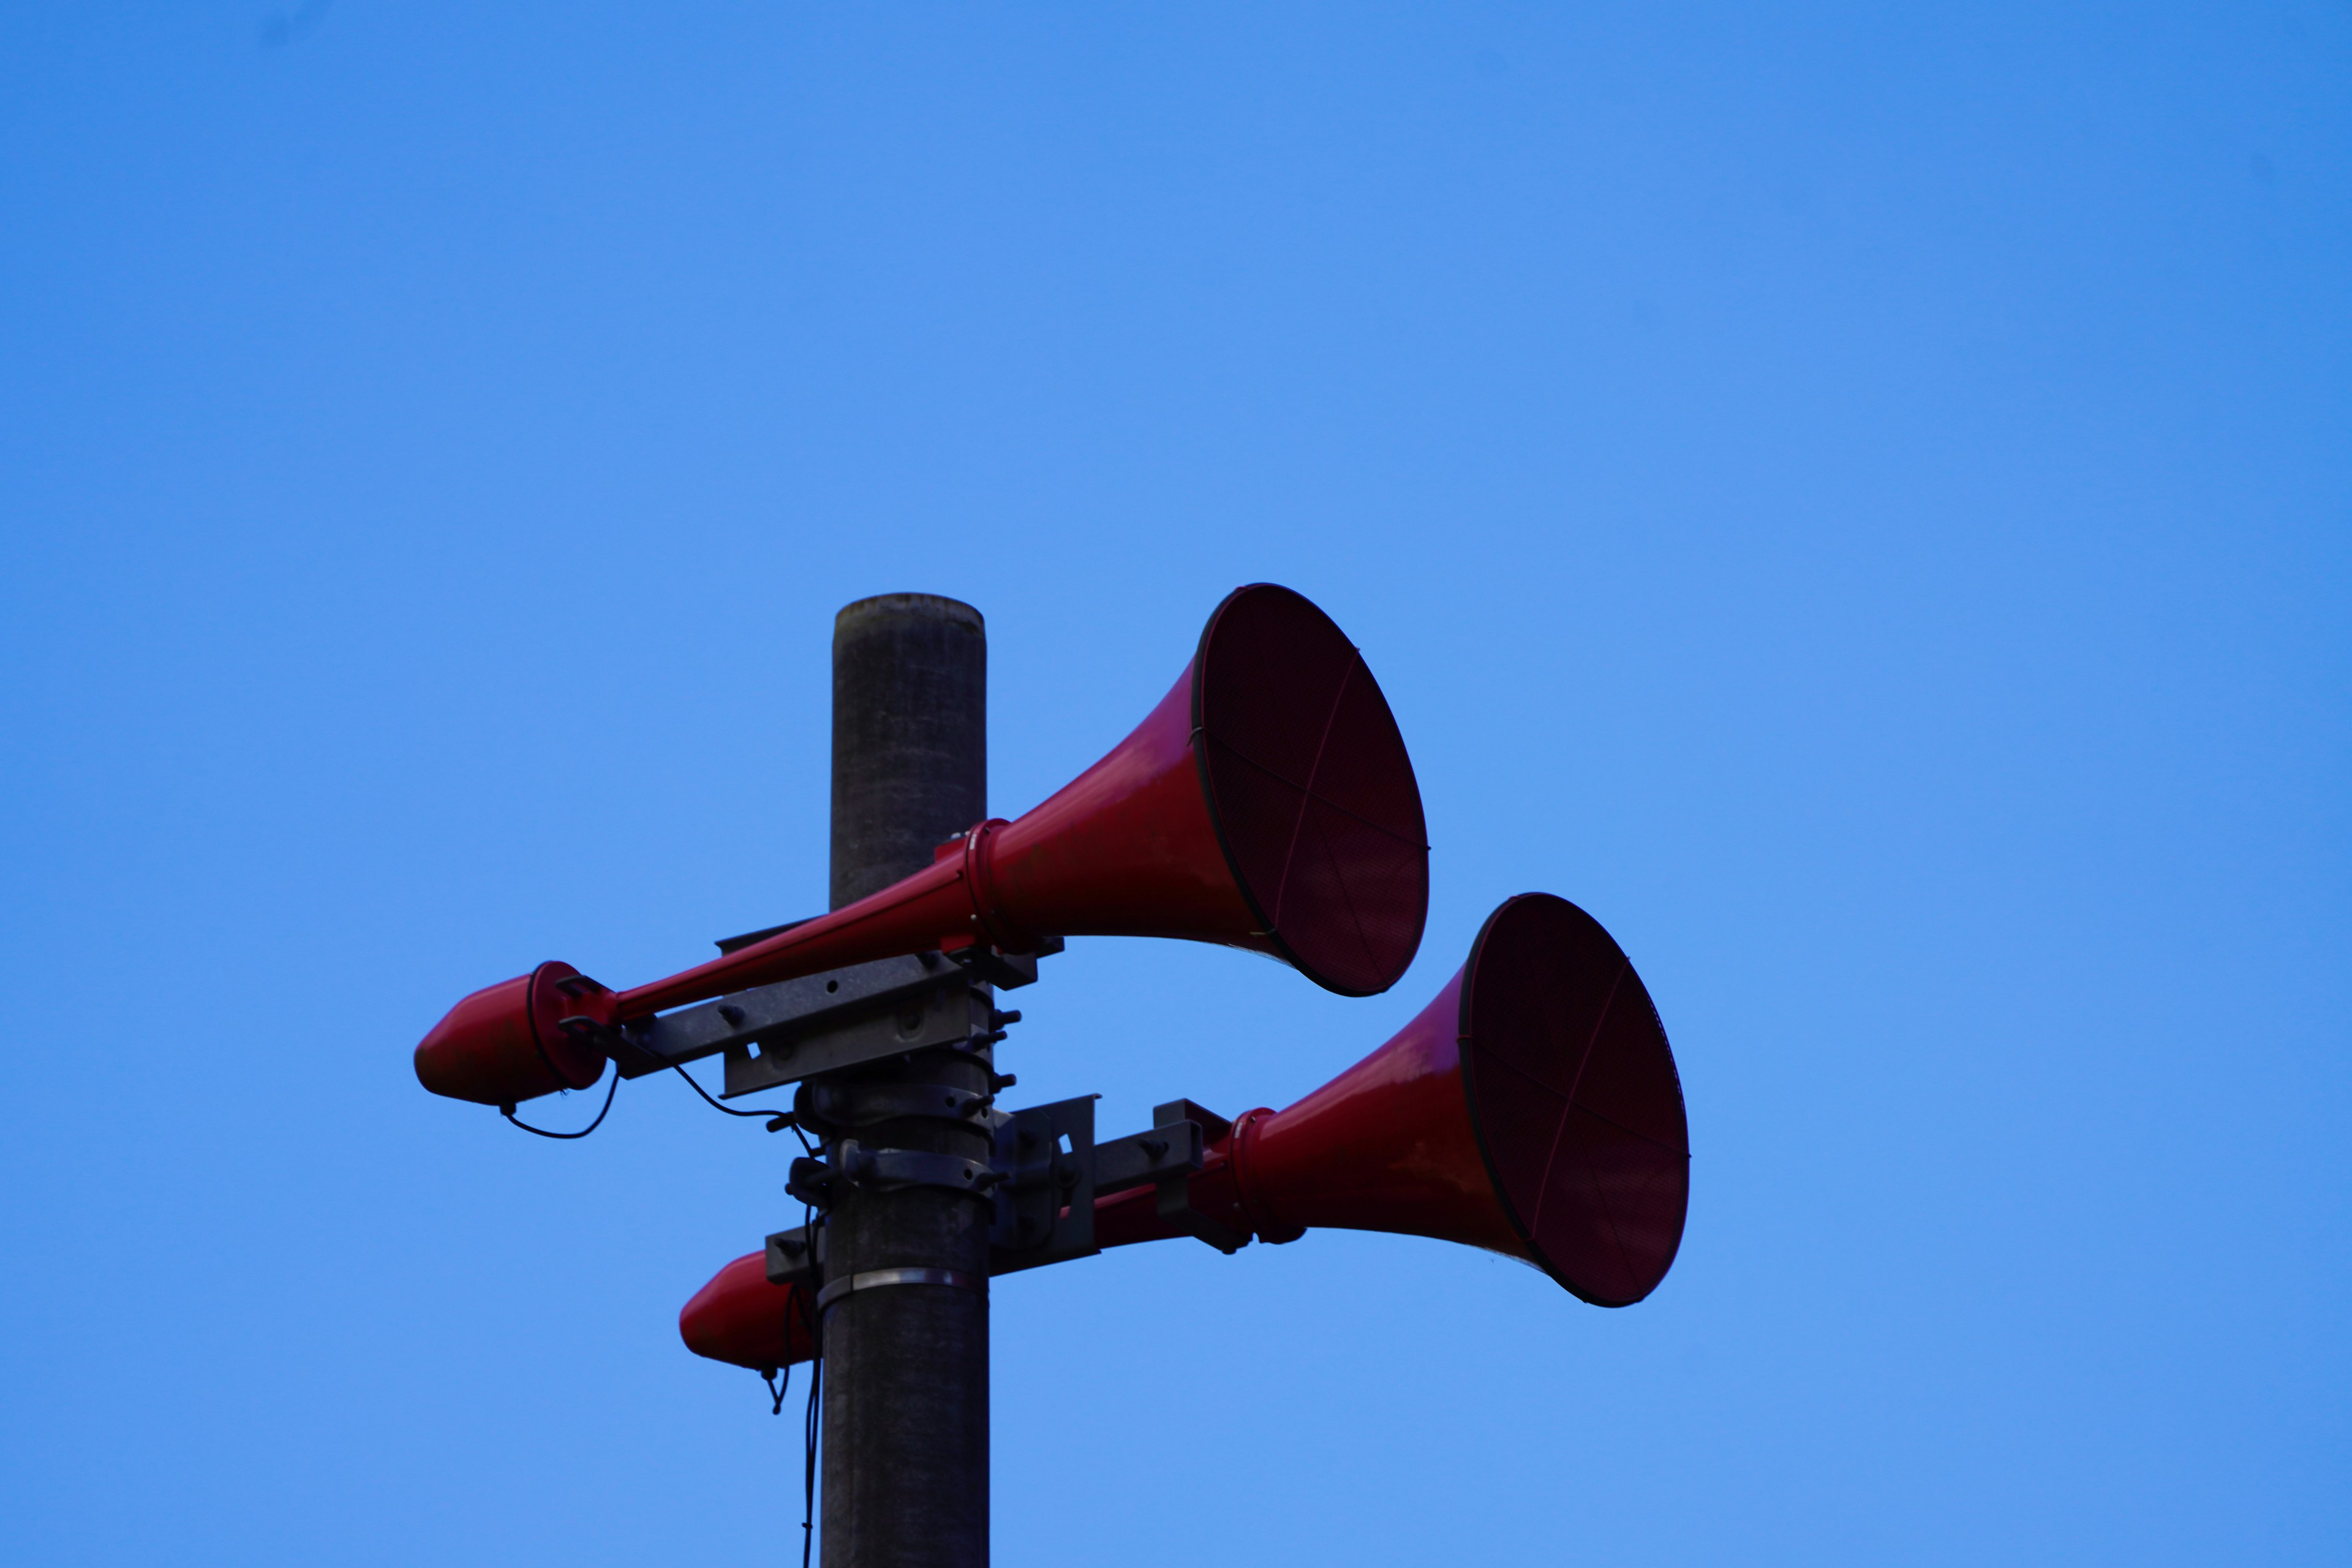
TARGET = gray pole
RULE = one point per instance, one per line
(906, 1368)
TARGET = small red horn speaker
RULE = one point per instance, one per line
(1532, 1108)
(1266, 803)
(743, 1318)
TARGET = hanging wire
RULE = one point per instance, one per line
(777, 1385)
(724, 1110)
(816, 1382)
(507, 1111)
(614, 1086)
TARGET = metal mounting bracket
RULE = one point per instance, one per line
(1140, 1159)
(774, 1034)
(1044, 1177)
(794, 1255)
(1175, 1198)
(1046, 1207)
(788, 1009)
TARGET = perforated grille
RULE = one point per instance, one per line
(1313, 792)
(1579, 1107)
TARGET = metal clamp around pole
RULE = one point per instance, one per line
(874, 1279)
(832, 1107)
(888, 1170)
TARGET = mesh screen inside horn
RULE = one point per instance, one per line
(1578, 1108)
(1311, 789)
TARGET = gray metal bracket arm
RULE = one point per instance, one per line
(784, 1009)
(774, 1034)
(1140, 1159)
(795, 1255)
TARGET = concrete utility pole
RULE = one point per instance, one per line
(906, 1368)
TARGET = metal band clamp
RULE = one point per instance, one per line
(874, 1278)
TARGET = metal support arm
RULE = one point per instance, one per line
(774, 1034)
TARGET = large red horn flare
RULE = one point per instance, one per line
(1266, 803)
(1532, 1108)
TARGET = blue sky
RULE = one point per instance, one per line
(1856, 497)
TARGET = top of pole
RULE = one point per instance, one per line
(909, 735)
(856, 615)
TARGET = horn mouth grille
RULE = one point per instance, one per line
(1311, 790)
(1578, 1109)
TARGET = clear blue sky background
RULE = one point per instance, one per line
(1859, 498)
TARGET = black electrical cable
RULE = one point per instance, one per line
(777, 1387)
(507, 1111)
(817, 1383)
(727, 1109)
(786, 1116)
(808, 1481)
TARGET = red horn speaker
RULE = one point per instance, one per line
(1532, 1108)
(1267, 803)
(742, 1319)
